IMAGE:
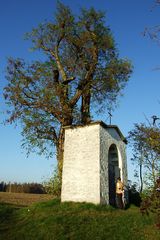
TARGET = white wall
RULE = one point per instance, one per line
(81, 170)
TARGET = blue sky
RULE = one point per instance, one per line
(127, 19)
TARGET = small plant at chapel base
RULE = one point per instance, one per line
(53, 184)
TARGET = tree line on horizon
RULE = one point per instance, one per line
(36, 188)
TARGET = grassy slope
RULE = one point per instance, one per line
(52, 220)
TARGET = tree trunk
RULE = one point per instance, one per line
(85, 107)
(140, 170)
(141, 178)
(153, 172)
(60, 146)
(60, 153)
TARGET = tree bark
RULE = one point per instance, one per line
(140, 171)
(141, 178)
(60, 152)
(85, 107)
(60, 145)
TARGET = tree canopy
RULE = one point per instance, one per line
(81, 68)
(146, 152)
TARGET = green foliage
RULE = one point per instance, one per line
(146, 152)
(52, 220)
(134, 195)
(145, 141)
(53, 184)
(151, 205)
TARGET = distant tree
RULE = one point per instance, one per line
(146, 152)
(36, 188)
(81, 69)
(2, 186)
(23, 188)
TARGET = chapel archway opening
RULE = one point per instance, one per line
(113, 172)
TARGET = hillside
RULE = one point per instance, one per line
(52, 220)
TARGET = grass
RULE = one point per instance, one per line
(55, 220)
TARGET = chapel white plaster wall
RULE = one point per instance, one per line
(81, 167)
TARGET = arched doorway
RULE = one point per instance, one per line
(113, 173)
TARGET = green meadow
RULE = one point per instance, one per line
(79, 221)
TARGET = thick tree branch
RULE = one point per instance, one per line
(50, 134)
(59, 65)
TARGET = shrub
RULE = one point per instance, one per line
(134, 195)
(151, 204)
(53, 184)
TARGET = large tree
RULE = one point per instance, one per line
(81, 67)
